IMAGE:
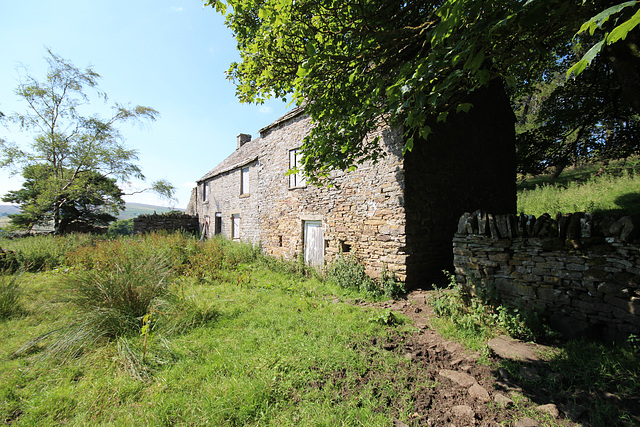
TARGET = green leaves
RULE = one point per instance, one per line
(410, 64)
(619, 32)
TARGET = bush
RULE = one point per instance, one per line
(121, 227)
(9, 295)
(347, 273)
(479, 316)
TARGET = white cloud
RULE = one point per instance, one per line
(177, 9)
(265, 110)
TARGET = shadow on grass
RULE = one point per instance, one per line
(629, 203)
(589, 382)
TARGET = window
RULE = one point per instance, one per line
(244, 180)
(218, 223)
(204, 191)
(235, 226)
(295, 161)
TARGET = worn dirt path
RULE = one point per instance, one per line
(466, 392)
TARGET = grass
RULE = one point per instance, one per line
(599, 188)
(9, 295)
(256, 346)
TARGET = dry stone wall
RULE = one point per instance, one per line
(582, 272)
(167, 222)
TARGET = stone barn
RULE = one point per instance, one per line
(399, 213)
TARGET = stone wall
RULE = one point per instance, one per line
(224, 199)
(363, 213)
(582, 272)
(168, 222)
(398, 214)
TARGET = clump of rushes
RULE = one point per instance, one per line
(111, 303)
(9, 295)
(108, 304)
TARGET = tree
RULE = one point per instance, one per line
(355, 64)
(579, 120)
(74, 158)
(92, 200)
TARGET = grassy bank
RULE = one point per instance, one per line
(599, 188)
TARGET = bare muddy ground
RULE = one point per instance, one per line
(450, 386)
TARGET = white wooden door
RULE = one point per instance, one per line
(313, 243)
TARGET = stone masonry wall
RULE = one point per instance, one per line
(581, 271)
(223, 197)
(168, 222)
(363, 213)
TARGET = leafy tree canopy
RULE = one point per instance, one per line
(71, 153)
(580, 120)
(92, 199)
(355, 63)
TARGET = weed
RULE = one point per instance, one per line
(477, 317)
(386, 317)
(347, 273)
(391, 287)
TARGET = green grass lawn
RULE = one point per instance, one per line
(276, 348)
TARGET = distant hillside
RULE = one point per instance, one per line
(132, 210)
(135, 209)
(8, 210)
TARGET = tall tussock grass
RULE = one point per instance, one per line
(9, 295)
(121, 291)
(38, 253)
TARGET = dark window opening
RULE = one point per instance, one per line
(280, 241)
(218, 223)
(344, 247)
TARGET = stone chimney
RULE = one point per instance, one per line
(243, 138)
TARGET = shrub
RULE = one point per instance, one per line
(9, 295)
(480, 316)
(121, 227)
(347, 273)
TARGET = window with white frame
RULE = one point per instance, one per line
(244, 181)
(295, 162)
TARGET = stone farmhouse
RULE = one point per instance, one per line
(400, 213)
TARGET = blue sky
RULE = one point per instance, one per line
(167, 54)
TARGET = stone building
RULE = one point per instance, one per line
(399, 214)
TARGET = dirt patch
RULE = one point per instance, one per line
(451, 387)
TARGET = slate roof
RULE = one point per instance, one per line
(291, 114)
(242, 156)
(250, 151)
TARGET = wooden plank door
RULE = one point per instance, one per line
(313, 243)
